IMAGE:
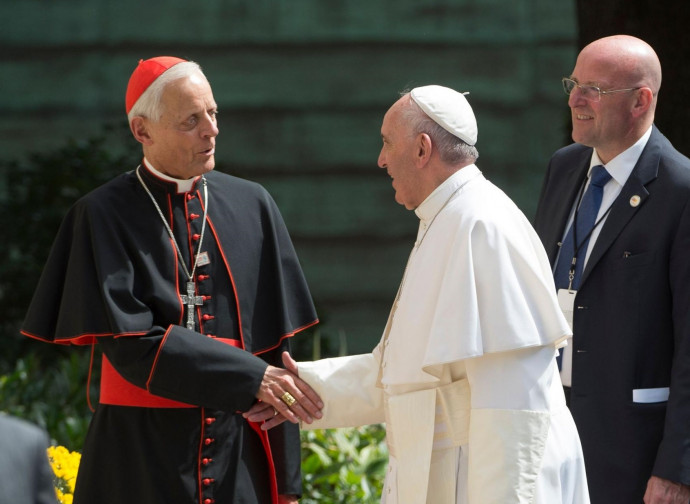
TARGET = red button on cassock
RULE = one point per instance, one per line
(207, 481)
(210, 420)
(206, 461)
(208, 441)
(196, 236)
(206, 316)
(209, 501)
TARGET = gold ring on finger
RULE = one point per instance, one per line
(288, 399)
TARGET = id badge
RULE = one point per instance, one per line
(566, 300)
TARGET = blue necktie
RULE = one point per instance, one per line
(586, 218)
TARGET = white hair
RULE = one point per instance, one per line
(149, 103)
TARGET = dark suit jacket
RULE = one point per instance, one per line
(25, 475)
(631, 320)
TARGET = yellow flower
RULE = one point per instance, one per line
(65, 465)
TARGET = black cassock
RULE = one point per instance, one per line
(167, 427)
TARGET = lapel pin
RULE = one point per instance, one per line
(634, 201)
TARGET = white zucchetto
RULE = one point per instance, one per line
(449, 109)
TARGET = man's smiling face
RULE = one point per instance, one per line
(606, 124)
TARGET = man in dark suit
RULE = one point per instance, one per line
(628, 291)
(25, 474)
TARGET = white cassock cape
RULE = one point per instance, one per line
(464, 376)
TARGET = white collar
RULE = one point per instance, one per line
(622, 165)
(183, 186)
(433, 203)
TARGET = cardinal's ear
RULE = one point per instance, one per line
(140, 130)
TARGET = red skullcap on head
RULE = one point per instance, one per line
(143, 76)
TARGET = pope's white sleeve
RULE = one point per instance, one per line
(509, 423)
(347, 387)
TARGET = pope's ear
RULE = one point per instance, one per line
(423, 149)
(139, 128)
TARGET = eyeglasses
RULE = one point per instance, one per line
(589, 92)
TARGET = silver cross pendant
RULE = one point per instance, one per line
(191, 301)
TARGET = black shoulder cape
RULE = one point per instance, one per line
(111, 270)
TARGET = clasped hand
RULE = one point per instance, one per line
(271, 408)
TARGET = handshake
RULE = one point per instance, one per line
(284, 396)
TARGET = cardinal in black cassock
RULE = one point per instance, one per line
(182, 357)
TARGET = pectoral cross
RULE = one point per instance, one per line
(191, 301)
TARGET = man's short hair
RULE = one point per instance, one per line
(149, 103)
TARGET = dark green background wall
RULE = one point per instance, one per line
(302, 87)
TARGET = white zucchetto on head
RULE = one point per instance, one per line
(449, 109)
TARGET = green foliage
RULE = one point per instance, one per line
(344, 466)
(38, 192)
(43, 383)
(52, 395)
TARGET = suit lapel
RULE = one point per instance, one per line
(622, 210)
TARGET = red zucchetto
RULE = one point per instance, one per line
(143, 76)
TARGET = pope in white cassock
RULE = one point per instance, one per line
(464, 376)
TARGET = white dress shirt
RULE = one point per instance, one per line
(620, 169)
